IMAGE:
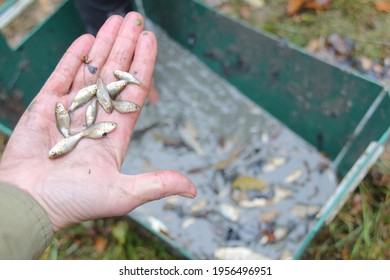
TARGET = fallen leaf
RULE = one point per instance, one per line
(119, 231)
(345, 253)
(257, 4)
(357, 204)
(100, 244)
(313, 46)
(382, 6)
(245, 12)
(293, 6)
(317, 4)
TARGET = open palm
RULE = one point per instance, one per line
(86, 183)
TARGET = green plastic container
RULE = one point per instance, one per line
(343, 114)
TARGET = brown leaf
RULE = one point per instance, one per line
(345, 253)
(293, 6)
(356, 204)
(317, 4)
(245, 12)
(313, 46)
(382, 6)
(100, 244)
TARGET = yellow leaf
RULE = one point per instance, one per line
(294, 6)
(317, 4)
(100, 244)
(382, 6)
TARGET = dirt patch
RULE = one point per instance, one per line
(30, 18)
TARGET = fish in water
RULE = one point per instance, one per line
(122, 75)
(95, 131)
(82, 97)
(103, 96)
(62, 119)
(124, 106)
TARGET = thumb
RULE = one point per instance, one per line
(151, 186)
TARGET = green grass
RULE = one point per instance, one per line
(357, 233)
(108, 239)
(355, 19)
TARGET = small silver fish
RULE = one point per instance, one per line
(99, 130)
(83, 96)
(116, 87)
(65, 145)
(103, 96)
(122, 75)
(91, 113)
(95, 131)
(62, 119)
(124, 106)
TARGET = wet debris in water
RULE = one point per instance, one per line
(273, 163)
(268, 216)
(287, 255)
(252, 192)
(199, 206)
(237, 253)
(189, 136)
(304, 212)
(294, 176)
(273, 234)
(228, 211)
(158, 225)
(249, 169)
(232, 235)
(188, 222)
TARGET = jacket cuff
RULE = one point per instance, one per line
(25, 228)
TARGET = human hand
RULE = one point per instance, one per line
(86, 183)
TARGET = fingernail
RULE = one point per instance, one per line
(188, 195)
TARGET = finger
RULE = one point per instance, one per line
(98, 55)
(142, 68)
(131, 191)
(99, 52)
(63, 75)
(123, 50)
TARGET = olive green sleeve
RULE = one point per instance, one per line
(25, 228)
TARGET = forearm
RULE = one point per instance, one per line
(25, 229)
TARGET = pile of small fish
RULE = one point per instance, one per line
(106, 96)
